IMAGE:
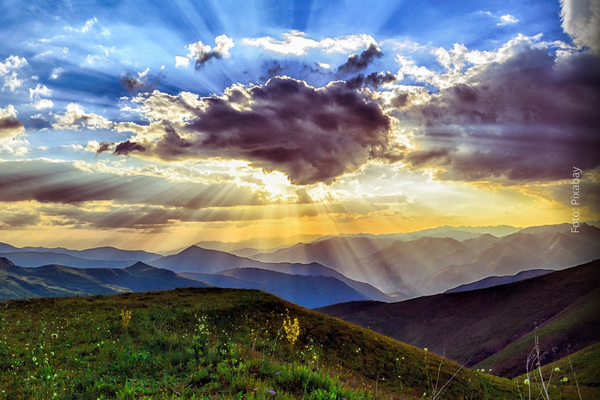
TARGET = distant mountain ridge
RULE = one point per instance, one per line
(492, 281)
(369, 264)
(57, 280)
(308, 291)
(105, 253)
(429, 265)
(195, 259)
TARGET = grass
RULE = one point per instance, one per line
(578, 323)
(569, 376)
(213, 343)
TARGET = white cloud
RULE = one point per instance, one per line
(507, 19)
(181, 62)
(72, 146)
(581, 20)
(202, 53)
(461, 63)
(92, 146)
(85, 28)
(324, 65)
(296, 43)
(76, 118)
(42, 104)
(89, 26)
(56, 73)
(12, 63)
(95, 59)
(39, 91)
(8, 70)
(12, 81)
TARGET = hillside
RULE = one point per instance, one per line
(475, 325)
(213, 343)
(57, 280)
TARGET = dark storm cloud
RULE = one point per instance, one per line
(127, 147)
(311, 135)
(63, 183)
(141, 83)
(373, 80)
(357, 63)
(9, 124)
(529, 118)
(202, 54)
(19, 220)
(276, 69)
(104, 146)
(205, 57)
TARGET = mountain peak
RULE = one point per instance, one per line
(139, 267)
(6, 263)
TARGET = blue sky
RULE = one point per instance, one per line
(365, 113)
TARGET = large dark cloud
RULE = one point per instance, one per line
(530, 118)
(357, 63)
(311, 135)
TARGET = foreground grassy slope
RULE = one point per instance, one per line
(575, 376)
(477, 324)
(212, 343)
(576, 325)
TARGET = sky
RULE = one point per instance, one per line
(154, 125)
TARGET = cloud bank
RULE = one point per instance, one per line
(311, 135)
(529, 118)
(581, 20)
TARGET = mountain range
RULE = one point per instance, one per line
(58, 280)
(379, 268)
(431, 265)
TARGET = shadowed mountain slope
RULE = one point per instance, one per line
(472, 326)
(491, 281)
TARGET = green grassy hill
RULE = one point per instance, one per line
(576, 376)
(213, 343)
